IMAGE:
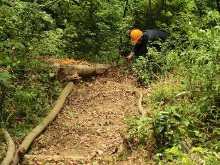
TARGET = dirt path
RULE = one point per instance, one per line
(87, 131)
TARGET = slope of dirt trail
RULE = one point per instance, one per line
(87, 131)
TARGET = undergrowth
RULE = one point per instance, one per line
(183, 115)
(183, 109)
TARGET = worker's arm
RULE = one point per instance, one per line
(130, 55)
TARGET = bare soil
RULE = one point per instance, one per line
(88, 129)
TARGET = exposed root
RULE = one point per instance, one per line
(140, 107)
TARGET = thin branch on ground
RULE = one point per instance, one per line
(140, 93)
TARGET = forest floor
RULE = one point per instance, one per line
(90, 126)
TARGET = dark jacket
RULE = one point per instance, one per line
(148, 37)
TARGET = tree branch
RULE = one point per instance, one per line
(11, 148)
(40, 127)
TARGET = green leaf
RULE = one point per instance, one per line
(52, 74)
(186, 160)
(5, 78)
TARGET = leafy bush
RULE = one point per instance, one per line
(150, 67)
(93, 37)
(196, 155)
(184, 113)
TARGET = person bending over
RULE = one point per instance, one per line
(142, 39)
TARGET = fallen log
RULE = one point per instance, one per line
(71, 72)
(39, 128)
(72, 69)
(11, 149)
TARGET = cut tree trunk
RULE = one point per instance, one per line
(38, 129)
(11, 148)
(71, 72)
(71, 69)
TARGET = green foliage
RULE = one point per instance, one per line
(148, 13)
(5, 78)
(25, 87)
(150, 67)
(50, 44)
(5, 83)
(93, 37)
(185, 111)
(87, 30)
(196, 155)
(2, 154)
(81, 30)
(165, 121)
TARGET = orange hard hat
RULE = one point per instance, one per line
(135, 35)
